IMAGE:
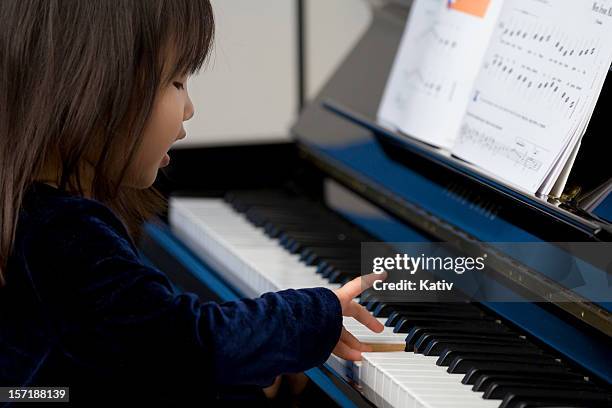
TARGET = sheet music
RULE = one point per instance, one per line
(438, 59)
(536, 90)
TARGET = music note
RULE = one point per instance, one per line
(522, 153)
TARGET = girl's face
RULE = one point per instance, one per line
(171, 108)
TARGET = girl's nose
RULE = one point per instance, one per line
(189, 110)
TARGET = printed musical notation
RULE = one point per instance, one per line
(522, 153)
(533, 85)
(438, 35)
(438, 58)
(549, 43)
(418, 81)
(507, 85)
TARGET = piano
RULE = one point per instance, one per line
(245, 220)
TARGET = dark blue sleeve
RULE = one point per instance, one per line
(113, 312)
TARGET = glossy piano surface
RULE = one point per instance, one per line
(261, 241)
(339, 128)
(419, 188)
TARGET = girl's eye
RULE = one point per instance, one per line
(179, 85)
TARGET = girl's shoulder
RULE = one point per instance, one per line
(64, 241)
(44, 204)
(53, 217)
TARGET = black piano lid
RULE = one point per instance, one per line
(413, 181)
(395, 145)
(355, 91)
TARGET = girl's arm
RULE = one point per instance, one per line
(113, 312)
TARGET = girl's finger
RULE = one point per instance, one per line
(362, 315)
(272, 390)
(297, 382)
(351, 341)
(345, 352)
(353, 288)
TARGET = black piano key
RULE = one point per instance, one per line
(396, 315)
(448, 356)
(437, 313)
(310, 250)
(323, 267)
(260, 218)
(330, 254)
(483, 381)
(418, 331)
(487, 338)
(436, 347)
(385, 310)
(425, 341)
(242, 200)
(350, 263)
(540, 404)
(319, 241)
(334, 264)
(298, 222)
(393, 318)
(319, 232)
(462, 364)
(484, 348)
(342, 253)
(372, 305)
(279, 231)
(474, 375)
(328, 272)
(367, 297)
(499, 389)
(324, 234)
(342, 276)
(326, 268)
(408, 310)
(259, 215)
(406, 317)
(518, 369)
(563, 398)
(301, 224)
(404, 325)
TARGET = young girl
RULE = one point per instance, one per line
(92, 96)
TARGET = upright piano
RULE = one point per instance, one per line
(245, 220)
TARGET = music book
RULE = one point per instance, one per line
(506, 85)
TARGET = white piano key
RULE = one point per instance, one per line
(428, 383)
(256, 263)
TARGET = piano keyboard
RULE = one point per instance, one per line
(456, 354)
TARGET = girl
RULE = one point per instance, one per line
(92, 96)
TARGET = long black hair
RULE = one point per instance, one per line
(78, 79)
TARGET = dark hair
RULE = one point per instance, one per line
(79, 78)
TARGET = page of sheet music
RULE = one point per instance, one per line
(437, 62)
(536, 90)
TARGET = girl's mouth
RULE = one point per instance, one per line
(165, 161)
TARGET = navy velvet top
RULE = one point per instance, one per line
(80, 309)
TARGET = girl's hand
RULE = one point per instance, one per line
(296, 383)
(272, 391)
(348, 347)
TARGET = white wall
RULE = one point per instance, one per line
(333, 27)
(248, 93)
